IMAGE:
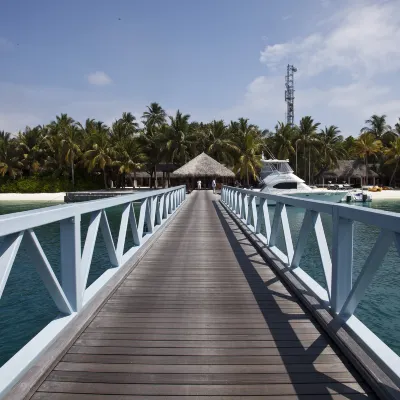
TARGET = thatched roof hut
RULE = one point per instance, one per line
(350, 169)
(203, 166)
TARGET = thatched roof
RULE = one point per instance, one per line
(203, 166)
(350, 169)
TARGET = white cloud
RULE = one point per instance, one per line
(347, 70)
(286, 17)
(99, 78)
(361, 39)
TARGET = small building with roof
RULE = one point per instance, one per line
(204, 168)
(352, 172)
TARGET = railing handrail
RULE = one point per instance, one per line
(71, 293)
(342, 295)
(15, 222)
(380, 218)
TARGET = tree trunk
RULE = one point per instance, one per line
(366, 171)
(394, 172)
(247, 176)
(309, 165)
(296, 157)
(305, 164)
(130, 181)
(151, 179)
(105, 179)
(155, 176)
(72, 170)
(134, 180)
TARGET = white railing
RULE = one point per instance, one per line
(341, 295)
(71, 295)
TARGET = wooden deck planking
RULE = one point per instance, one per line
(202, 316)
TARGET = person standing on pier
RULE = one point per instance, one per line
(213, 184)
(199, 184)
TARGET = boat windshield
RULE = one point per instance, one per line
(278, 168)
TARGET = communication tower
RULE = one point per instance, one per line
(289, 94)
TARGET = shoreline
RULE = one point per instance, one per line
(384, 195)
(59, 197)
(48, 197)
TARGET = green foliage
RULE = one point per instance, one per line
(45, 184)
(66, 155)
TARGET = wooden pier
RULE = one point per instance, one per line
(201, 316)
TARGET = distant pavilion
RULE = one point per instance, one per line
(206, 169)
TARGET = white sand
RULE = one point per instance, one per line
(56, 197)
(385, 195)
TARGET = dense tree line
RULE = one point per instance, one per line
(66, 148)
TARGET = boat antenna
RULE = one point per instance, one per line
(269, 152)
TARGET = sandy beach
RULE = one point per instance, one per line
(385, 195)
(56, 197)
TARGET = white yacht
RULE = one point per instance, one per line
(277, 177)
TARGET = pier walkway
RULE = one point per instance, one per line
(202, 316)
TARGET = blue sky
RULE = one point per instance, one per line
(209, 58)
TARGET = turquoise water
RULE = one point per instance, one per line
(26, 308)
(380, 308)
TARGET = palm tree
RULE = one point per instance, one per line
(31, 143)
(101, 154)
(152, 141)
(130, 157)
(249, 160)
(180, 138)
(393, 155)
(283, 140)
(71, 139)
(10, 158)
(396, 129)
(124, 127)
(379, 128)
(221, 146)
(331, 146)
(366, 146)
(249, 143)
(154, 116)
(307, 136)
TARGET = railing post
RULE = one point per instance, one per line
(243, 210)
(71, 274)
(238, 203)
(252, 212)
(275, 224)
(342, 259)
(167, 204)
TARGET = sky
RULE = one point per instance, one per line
(212, 59)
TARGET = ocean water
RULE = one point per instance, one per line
(380, 308)
(26, 307)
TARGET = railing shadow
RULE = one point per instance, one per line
(262, 292)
